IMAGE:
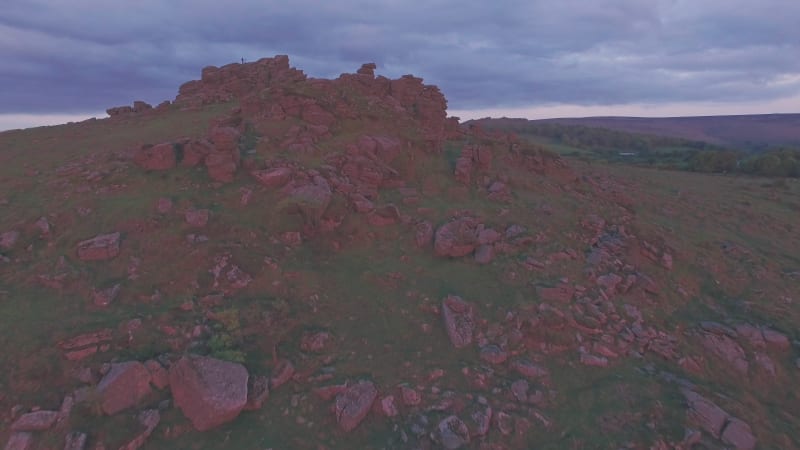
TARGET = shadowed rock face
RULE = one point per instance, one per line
(459, 320)
(209, 391)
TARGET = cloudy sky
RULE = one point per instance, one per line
(71, 59)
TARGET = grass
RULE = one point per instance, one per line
(378, 294)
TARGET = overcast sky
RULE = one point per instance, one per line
(62, 60)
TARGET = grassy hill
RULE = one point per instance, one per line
(392, 279)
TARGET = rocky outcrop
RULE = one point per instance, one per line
(9, 239)
(222, 84)
(209, 391)
(137, 108)
(223, 160)
(474, 158)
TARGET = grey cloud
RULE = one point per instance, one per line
(90, 54)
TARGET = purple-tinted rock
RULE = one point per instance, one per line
(353, 405)
(459, 320)
(209, 391)
(124, 386)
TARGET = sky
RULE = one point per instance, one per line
(67, 60)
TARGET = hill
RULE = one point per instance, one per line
(277, 261)
(744, 132)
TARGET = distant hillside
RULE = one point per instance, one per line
(594, 143)
(747, 132)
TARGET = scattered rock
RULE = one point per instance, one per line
(457, 238)
(197, 217)
(484, 254)
(99, 248)
(493, 354)
(20, 440)
(209, 391)
(527, 368)
(593, 360)
(479, 420)
(75, 440)
(104, 297)
(519, 389)
(273, 178)
(452, 433)
(41, 224)
(385, 215)
(163, 205)
(389, 407)
(9, 239)
(353, 405)
(84, 345)
(315, 342)
(738, 434)
(459, 320)
(560, 294)
(410, 396)
(281, 373)
(124, 386)
(35, 421)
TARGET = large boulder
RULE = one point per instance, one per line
(124, 386)
(98, 248)
(310, 200)
(209, 391)
(156, 157)
(457, 238)
(225, 139)
(353, 405)
(459, 320)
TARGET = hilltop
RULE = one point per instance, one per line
(277, 261)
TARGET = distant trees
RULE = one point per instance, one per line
(781, 162)
(715, 161)
(591, 138)
(660, 151)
